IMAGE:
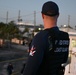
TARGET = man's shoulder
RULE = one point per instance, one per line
(63, 32)
(40, 38)
(64, 35)
(41, 33)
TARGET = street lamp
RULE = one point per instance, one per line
(39, 28)
(64, 25)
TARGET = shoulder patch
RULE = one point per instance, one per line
(32, 51)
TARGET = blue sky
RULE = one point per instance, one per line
(27, 8)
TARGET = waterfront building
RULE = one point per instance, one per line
(72, 35)
(71, 31)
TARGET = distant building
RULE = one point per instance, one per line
(1, 42)
(28, 25)
(72, 35)
(31, 28)
(70, 30)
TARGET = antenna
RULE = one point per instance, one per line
(19, 17)
(68, 22)
(34, 19)
(7, 17)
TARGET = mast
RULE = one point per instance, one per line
(68, 22)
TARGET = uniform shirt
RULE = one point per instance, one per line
(43, 59)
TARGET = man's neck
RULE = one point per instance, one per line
(49, 24)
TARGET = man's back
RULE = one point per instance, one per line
(56, 52)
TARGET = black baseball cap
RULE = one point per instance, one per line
(50, 8)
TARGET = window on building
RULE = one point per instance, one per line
(73, 42)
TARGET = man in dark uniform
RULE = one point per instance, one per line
(50, 47)
(9, 68)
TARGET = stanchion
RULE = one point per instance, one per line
(69, 62)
